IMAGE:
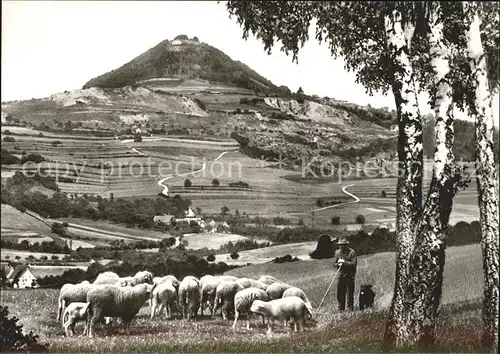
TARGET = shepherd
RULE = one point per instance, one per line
(346, 261)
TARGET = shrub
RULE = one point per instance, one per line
(324, 249)
(215, 182)
(234, 255)
(301, 222)
(335, 220)
(56, 143)
(12, 338)
(383, 194)
(224, 210)
(58, 229)
(211, 257)
(187, 183)
(36, 158)
(9, 139)
(360, 219)
(65, 224)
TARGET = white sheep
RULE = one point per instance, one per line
(158, 280)
(244, 299)
(251, 283)
(75, 312)
(106, 278)
(282, 309)
(294, 291)
(164, 296)
(224, 297)
(189, 296)
(268, 279)
(113, 301)
(227, 277)
(276, 290)
(208, 287)
(71, 293)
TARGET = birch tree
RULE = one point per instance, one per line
(486, 172)
(397, 46)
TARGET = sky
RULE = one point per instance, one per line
(53, 46)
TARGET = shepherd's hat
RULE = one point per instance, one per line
(343, 241)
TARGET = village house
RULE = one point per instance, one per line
(27, 276)
(164, 219)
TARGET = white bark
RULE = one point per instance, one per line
(487, 177)
(410, 152)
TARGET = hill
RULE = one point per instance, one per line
(183, 58)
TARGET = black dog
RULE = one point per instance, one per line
(366, 296)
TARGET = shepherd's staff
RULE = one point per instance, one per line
(328, 290)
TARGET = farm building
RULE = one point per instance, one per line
(7, 267)
(27, 276)
(165, 219)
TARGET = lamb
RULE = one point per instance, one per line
(75, 312)
(224, 297)
(282, 309)
(276, 290)
(163, 296)
(113, 301)
(71, 293)
(294, 291)
(244, 299)
(208, 287)
(189, 296)
(267, 279)
(251, 283)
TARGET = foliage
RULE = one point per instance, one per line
(44, 246)
(234, 255)
(215, 182)
(35, 158)
(324, 249)
(12, 338)
(58, 228)
(360, 219)
(242, 245)
(8, 158)
(187, 183)
(286, 258)
(224, 210)
(335, 220)
(9, 139)
(211, 257)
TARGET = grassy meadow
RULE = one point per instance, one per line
(458, 329)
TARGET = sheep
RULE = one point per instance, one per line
(163, 296)
(276, 290)
(140, 278)
(267, 279)
(159, 280)
(244, 299)
(189, 296)
(71, 293)
(113, 301)
(282, 309)
(224, 297)
(75, 312)
(106, 278)
(208, 287)
(227, 277)
(294, 291)
(251, 283)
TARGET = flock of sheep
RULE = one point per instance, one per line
(110, 296)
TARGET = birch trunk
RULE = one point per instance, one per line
(486, 175)
(410, 155)
(423, 293)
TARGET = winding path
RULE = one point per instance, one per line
(165, 187)
(356, 199)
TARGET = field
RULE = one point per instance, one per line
(458, 327)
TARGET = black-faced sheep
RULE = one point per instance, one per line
(113, 301)
(189, 296)
(366, 296)
(75, 312)
(244, 299)
(224, 297)
(208, 287)
(251, 283)
(276, 290)
(282, 309)
(164, 296)
(71, 293)
(267, 279)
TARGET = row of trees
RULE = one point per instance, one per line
(450, 51)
